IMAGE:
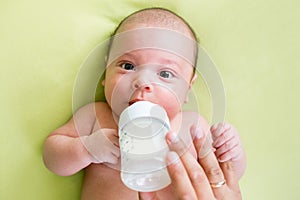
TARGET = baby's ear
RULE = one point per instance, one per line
(190, 87)
(102, 79)
(193, 80)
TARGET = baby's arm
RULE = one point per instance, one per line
(228, 146)
(73, 146)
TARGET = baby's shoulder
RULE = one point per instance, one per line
(192, 115)
(99, 113)
(92, 110)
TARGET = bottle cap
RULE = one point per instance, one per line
(144, 118)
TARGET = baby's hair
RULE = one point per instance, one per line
(159, 16)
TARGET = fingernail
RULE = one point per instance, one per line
(172, 158)
(199, 132)
(214, 126)
(173, 137)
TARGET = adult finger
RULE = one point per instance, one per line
(209, 162)
(214, 173)
(210, 165)
(217, 177)
(176, 143)
(230, 174)
(181, 183)
(202, 142)
(148, 196)
(231, 178)
(196, 175)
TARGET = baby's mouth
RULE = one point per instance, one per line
(134, 101)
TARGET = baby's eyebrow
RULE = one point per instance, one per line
(128, 54)
(169, 62)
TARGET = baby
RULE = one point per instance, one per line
(152, 57)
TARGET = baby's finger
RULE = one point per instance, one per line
(115, 141)
(219, 129)
(217, 132)
(115, 150)
(113, 159)
(232, 154)
(215, 126)
(228, 145)
(223, 138)
(110, 135)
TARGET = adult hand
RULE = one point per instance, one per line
(190, 180)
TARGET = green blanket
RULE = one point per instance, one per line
(44, 44)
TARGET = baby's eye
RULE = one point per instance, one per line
(128, 66)
(166, 74)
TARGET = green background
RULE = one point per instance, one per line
(254, 44)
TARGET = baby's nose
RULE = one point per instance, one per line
(142, 84)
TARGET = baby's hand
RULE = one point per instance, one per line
(103, 146)
(227, 143)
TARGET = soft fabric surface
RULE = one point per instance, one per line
(255, 45)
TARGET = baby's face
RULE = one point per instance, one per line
(158, 75)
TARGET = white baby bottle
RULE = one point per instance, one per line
(142, 130)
